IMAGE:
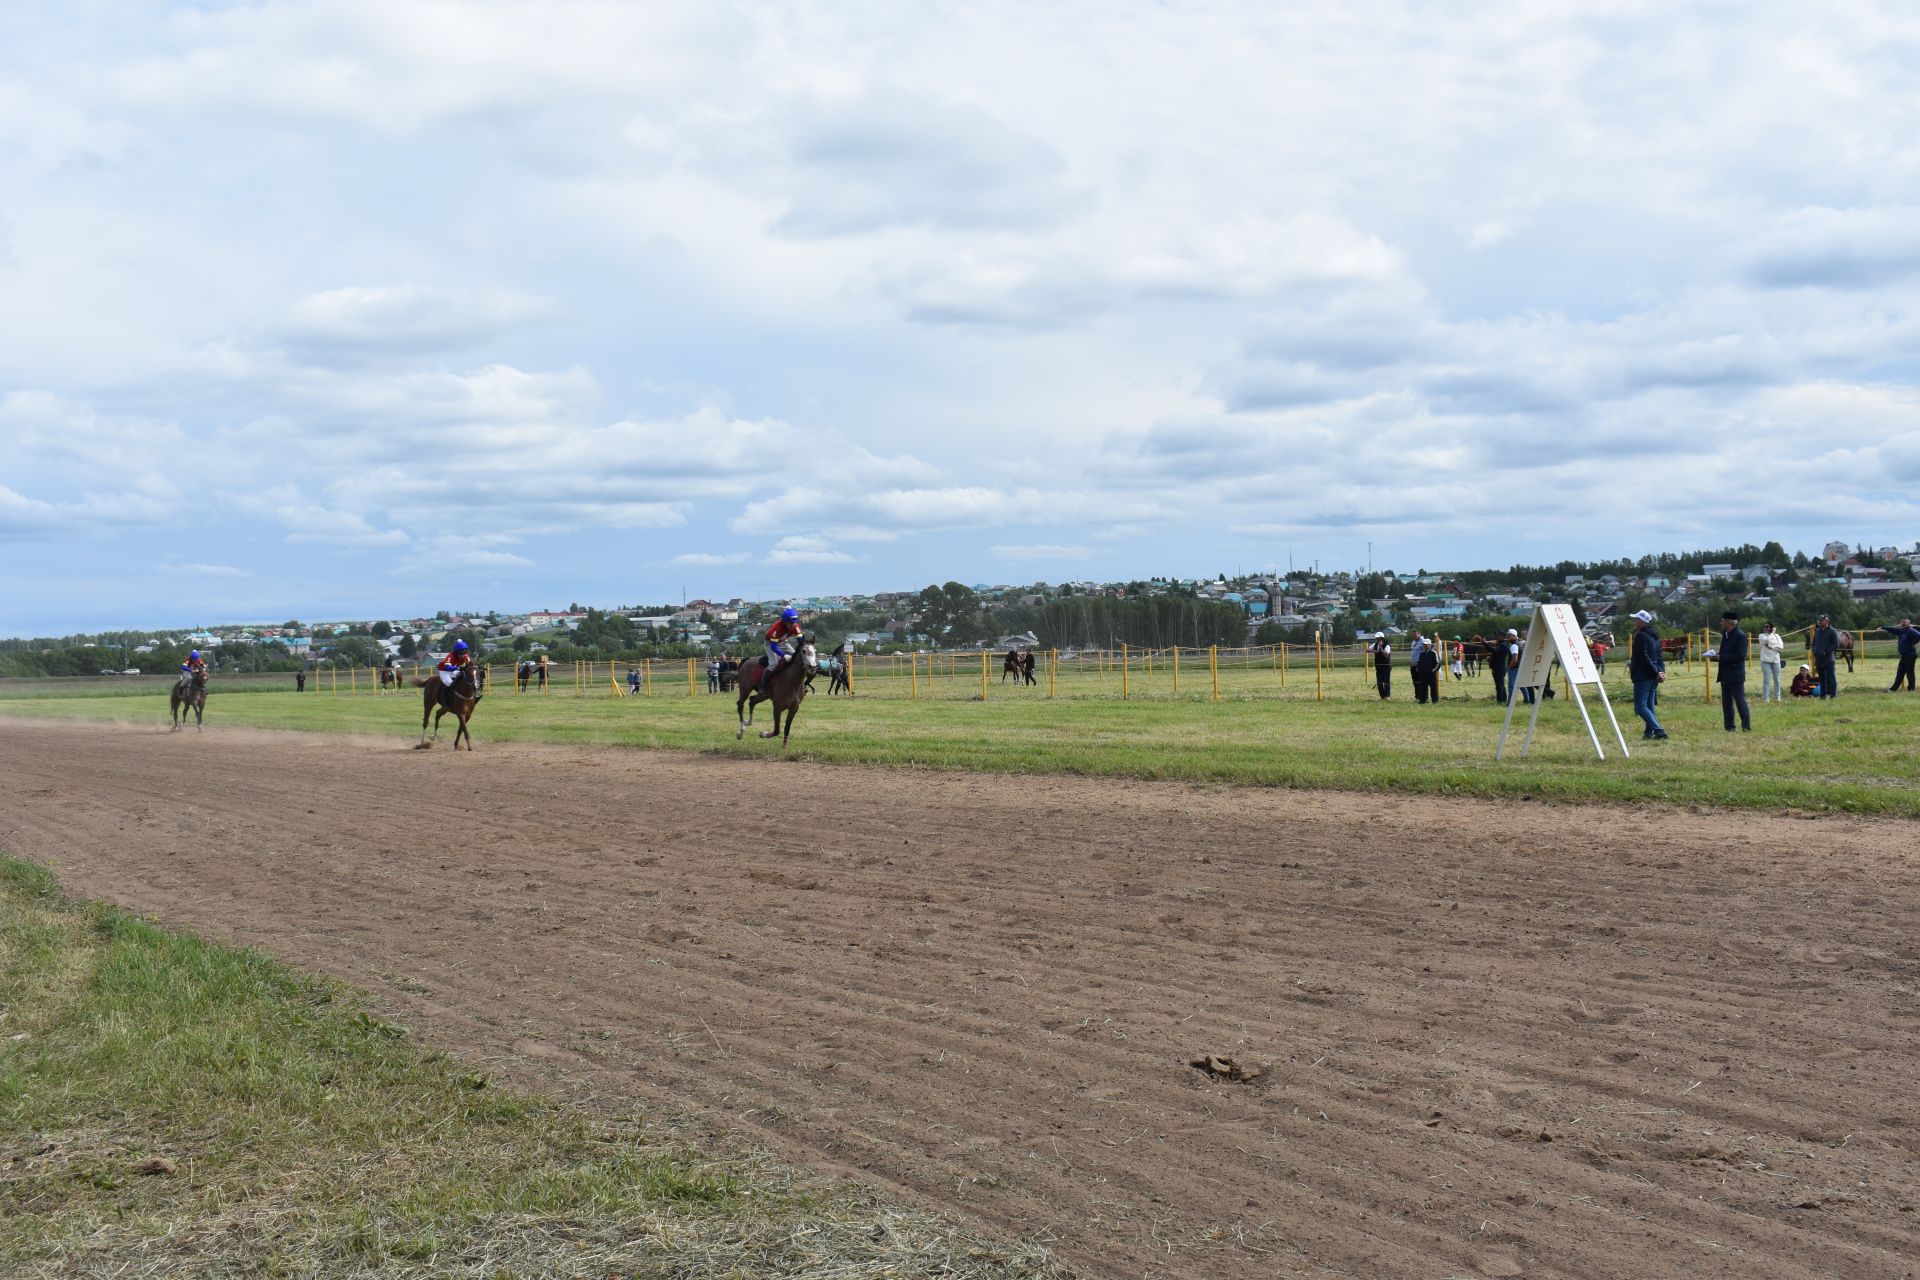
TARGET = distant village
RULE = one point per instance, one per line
(1269, 608)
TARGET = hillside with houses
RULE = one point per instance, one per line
(1858, 586)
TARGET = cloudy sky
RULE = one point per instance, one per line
(354, 308)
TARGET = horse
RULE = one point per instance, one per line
(1846, 649)
(522, 674)
(458, 697)
(390, 679)
(189, 691)
(786, 690)
(835, 666)
(1010, 666)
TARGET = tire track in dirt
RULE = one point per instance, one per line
(1501, 1039)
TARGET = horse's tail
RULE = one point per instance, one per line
(421, 682)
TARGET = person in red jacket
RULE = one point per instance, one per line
(785, 628)
(457, 660)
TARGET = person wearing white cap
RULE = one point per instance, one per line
(1382, 653)
(1648, 669)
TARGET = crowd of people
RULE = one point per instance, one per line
(1647, 667)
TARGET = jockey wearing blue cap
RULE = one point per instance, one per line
(451, 665)
(786, 628)
(195, 665)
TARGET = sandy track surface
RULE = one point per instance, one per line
(1495, 1039)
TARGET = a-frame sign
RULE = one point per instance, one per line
(1555, 633)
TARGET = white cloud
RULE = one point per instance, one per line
(1041, 551)
(709, 559)
(403, 319)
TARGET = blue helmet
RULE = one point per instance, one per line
(459, 645)
(193, 653)
(790, 613)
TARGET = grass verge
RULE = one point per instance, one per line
(1849, 755)
(172, 1106)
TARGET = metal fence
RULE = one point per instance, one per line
(1269, 672)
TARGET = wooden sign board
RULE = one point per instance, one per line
(1554, 635)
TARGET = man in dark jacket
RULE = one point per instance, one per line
(1826, 643)
(1382, 655)
(1497, 663)
(1733, 671)
(1909, 649)
(1648, 669)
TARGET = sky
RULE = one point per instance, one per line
(368, 309)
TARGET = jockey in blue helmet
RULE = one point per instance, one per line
(786, 628)
(456, 659)
(194, 665)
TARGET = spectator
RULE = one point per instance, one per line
(1909, 648)
(633, 679)
(713, 675)
(1497, 663)
(1772, 649)
(1803, 686)
(1382, 664)
(1426, 671)
(1516, 645)
(300, 681)
(1459, 659)
(1598, 646)
(1648, 668)
(1733, 671)
(1826, 643)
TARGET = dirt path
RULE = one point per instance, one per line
(1505, 1040)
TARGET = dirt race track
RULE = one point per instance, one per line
(1494, 1039)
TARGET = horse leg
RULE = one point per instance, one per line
(792, 711)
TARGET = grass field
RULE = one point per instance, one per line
(175, 1107)
(1854, 754)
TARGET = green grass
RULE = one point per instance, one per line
(303, 1135)
(1852, 755)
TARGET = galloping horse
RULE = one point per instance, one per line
(188, 691)
(390, 679)
(458, 697)
(786, 690)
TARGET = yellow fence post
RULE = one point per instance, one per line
(1053, 669)
(913, 676)
(1319, 683)
(1124, 663)
(1176, 670)
(983, 675)
(1213, 667)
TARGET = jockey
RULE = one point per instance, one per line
(451, 665)
(786, 628)
(195, 665)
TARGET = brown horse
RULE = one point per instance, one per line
(786, 690)
(188, 692)
(458, 697)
